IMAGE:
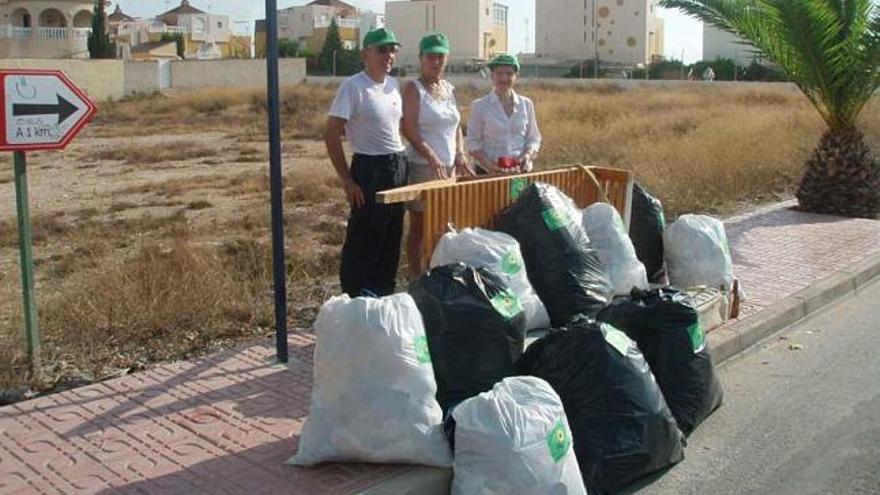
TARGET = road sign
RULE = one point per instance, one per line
(42, 110)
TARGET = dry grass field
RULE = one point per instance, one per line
(152, 229)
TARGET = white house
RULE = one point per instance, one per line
(45, 28)
(617, 31)
(477, 29)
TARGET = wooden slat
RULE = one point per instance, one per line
(476, 202)
(411, 192)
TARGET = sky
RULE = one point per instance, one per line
(683, 34)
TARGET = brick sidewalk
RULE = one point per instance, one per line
(226, 424)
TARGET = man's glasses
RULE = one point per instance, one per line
(384, 49)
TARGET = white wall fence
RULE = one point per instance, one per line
(115, 79)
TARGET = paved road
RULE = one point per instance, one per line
(801, 413)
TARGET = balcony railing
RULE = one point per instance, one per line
(340, 21)
(8, 31)
(154, 28)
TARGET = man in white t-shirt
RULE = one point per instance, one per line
(367, 109)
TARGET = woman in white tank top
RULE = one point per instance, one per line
(431, 125)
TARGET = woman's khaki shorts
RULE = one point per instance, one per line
(420, 172)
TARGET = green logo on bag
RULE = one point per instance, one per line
(507, 304)
(616, 339)
(558, 441)
(698, 340)
(517, 186)
(423, 354)
(555, 219)
(511, 263)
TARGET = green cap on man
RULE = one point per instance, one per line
(504, 59)
(434, 43)
(380, 37)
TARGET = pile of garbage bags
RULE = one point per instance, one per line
(621, 424)
(441, 375)
(561, 262)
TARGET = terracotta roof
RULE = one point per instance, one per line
(119, 16)
(333, 3)
(184, 8)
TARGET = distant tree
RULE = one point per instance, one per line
(288, 48)
(99, 43)
(178, 39)
(584, 70)
(724, 69)
(667, 69)
(761, 72)
(830, 49)
(349, 63)
(332, 49)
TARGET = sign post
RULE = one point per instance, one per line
(41, 110)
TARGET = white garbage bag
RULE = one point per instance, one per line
(373, 392)
(500, 253)
(515, 440)
(697, 253)
(608, 235)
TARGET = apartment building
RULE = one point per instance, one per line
(45, 28)
(721, 44)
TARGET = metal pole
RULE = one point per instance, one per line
(31, 331)
(595, 45)
(275, 181)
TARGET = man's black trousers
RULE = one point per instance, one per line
(371, 251)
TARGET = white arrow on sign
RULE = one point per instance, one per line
(42, 110)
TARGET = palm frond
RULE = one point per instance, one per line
(829, 48)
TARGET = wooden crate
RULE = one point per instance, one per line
(477, 202)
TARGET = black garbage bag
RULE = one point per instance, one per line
(646, 231)
(475, 327)
(665, 325)
(621, 425)
(562, 265)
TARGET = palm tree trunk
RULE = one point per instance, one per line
(841, 177)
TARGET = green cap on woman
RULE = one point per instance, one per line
(504, 59)
(434, 43)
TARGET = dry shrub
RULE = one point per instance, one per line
(164, 303)
(313, 183)
(698, 148)
(169, 151)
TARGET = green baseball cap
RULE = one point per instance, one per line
(379, 37)
(434, 43)
(504, 59)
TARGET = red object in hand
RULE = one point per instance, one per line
(507, 162)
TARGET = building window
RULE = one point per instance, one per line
(220, 25)
(500, 15)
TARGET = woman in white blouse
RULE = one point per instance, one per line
(503, 133)
(431, 125)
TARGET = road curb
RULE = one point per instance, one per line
(725, 342)
(731, 340)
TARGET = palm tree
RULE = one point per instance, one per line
(831, 50)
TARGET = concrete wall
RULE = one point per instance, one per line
(113, 79)
(525, 80)
(100, 79)
(141, 77)
(202, 73)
